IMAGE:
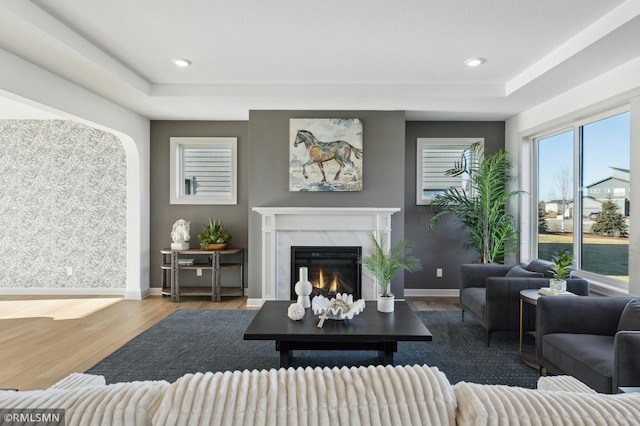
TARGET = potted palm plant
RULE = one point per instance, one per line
(384, 266)
(481, 208)
(561, 265)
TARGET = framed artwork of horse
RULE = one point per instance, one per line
(325, 154)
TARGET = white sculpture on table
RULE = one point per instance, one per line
(295, 312)
(180, 235)
(303, 288)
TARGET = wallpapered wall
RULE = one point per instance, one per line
(62, 205)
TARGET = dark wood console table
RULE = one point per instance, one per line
(204, 260)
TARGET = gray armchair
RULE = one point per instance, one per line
(580, 336)
(494, 299)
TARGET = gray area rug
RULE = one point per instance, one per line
(189, 341)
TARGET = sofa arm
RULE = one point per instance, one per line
(626, 369)
(475, 275)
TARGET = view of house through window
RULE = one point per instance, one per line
(594, 226)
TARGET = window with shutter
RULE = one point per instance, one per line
(203, 170)
(434, 157)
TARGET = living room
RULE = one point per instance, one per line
(507, 109)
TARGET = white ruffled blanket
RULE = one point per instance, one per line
(409, 395)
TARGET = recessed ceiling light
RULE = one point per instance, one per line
(181, 62)
(474, 62)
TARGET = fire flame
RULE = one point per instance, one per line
(333, 285)
(333, 288)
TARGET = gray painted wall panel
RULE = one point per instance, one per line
(383, 173)
(263, 149)
(163, 214)
(443, 247)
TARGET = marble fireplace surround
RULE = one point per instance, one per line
(283, 227)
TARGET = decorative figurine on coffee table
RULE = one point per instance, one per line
(295, 312)
(303, 288)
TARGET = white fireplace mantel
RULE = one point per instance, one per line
(284, 227)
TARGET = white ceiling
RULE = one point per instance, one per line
(332, 54)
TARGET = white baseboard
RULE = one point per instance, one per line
(431, 292)
(255, 303)
(155, 291)
(52, 291)
(136, 295)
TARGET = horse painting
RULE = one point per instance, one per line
(321, 152)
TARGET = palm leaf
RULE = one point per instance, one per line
(482, 211)
(384, 266)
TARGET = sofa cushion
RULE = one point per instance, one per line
(321, 396)
(519, 272)
(630, 318)
(541, 267)
(588, 357)
(504, 405)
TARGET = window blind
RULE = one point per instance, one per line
(207, 171)
(204, 170)
(434, 158)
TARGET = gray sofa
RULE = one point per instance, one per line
(584, 337)
(494, 298)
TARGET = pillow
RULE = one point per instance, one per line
(630, 318)
(520, 272)
(541, 267)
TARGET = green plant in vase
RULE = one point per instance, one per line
(214, 233)
(482, 207)
(384, 266)
(561, 264)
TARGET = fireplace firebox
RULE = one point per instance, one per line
(331, 269)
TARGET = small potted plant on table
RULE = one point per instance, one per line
(384, 266)
(561, 265)
(214, 237)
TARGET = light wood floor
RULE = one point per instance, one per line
(43, 339)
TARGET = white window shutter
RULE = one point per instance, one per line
(207, 171)
(434, 158)
(203, 170)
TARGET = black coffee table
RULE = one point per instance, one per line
(370, 330)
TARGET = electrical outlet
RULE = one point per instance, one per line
(69, 271)
(439, 272)
(199, 272)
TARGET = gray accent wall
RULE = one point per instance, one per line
(164, 214)
(64, 205)
(382, 169)
(389, 180)
(443, 247)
